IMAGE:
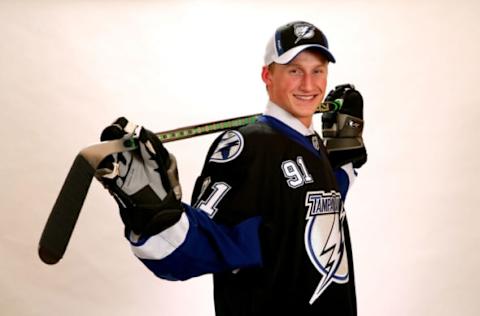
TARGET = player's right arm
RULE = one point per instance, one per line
(174, 240)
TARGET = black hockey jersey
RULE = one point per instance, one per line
(268, 221)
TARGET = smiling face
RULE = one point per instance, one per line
(299, 86)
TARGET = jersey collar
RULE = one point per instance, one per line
(285, 117)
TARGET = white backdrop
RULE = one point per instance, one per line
(69, 68)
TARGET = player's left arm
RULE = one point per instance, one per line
(342, 134)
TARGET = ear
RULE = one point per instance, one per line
(266, 75)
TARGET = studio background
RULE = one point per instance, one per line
(69, 68)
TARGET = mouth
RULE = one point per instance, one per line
(304, 97)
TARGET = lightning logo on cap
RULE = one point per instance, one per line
(303, 31)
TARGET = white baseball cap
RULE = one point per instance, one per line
(291, 39)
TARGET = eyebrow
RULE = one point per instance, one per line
(298, 65)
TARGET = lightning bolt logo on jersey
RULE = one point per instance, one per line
(324, 238)
(229, 147)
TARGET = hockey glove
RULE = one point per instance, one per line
(342, 130)
(144, 182)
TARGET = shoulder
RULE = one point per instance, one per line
(259, 134)
(258, 128)
(262, 141)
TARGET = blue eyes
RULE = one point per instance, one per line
(298, 72)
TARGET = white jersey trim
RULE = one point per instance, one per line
(279, 113)
(163, 244)
(352, 175)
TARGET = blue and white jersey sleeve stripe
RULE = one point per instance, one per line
(196, 245)
(345, 175)
(163, 244)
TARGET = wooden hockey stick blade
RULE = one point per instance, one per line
(66, 209)
(64, 215)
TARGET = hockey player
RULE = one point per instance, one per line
(266, 216)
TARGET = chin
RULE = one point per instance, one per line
(306, 109)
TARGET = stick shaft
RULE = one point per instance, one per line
(222, 125)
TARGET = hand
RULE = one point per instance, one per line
(342, 130)
(144, 182)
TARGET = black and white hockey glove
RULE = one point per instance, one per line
(144, 181)
(342, 130)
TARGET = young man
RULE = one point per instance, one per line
(267, 216)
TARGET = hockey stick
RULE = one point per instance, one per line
(63, 217)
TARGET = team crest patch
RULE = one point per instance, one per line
(324, 238)
(303, 31)
(229, 147)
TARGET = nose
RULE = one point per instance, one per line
(307, 83)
